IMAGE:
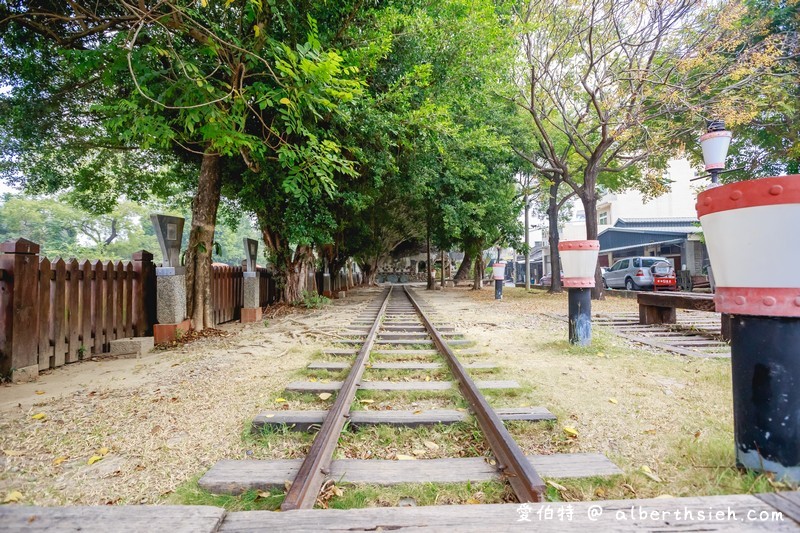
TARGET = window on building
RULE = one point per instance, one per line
(602, 218)
(580, 215)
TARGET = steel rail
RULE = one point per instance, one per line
(511, 461)
(316, 466)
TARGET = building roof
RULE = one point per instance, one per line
(681, 225)
(635, 232)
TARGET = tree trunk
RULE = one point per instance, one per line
(369, 271)
(296, 274)
(463, 269)
(477, 283)
(527, 244)
(199, 306)
(552, 231)
(442, 276)
(589, 202)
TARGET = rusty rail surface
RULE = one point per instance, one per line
(511, 461)
(316, 466)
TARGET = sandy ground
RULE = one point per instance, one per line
(161, 420)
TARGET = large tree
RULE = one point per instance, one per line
(208, 81)
(607, 79)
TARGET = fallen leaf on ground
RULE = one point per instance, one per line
(418, 452)
(427, 378)
(40, 392)
(13, 496)
(649, 473)
(58, 460)
(556, 485)
(571, 431)
(269, 416)
(401, 457)
(39, 416)
(280, 400)
(93, 459)
(600, 354)
(367, 401)
(324, 395)
(263, 494)
(472, 501)
(103, 451)
(612, 400)
(13, 453)
(431, 445)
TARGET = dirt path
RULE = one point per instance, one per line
(166, 418)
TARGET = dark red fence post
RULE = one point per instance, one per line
(19, 265)
(144, 293)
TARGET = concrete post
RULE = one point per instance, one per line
(251, 307)
(170, 280)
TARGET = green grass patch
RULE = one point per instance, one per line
(463, 439)
(359, 496)
(190, 493)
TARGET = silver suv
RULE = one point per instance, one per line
(634, 273)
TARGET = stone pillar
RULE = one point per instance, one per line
(170, 281)
(19, 283)
(251, 307)
(327, 290)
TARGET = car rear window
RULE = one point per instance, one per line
(650, 261)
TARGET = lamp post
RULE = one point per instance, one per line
(715, 143)
(499, 275)
(749, 228)
(579, 261)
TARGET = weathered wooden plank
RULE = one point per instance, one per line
(340, 352)
(108, 304)
(423, 351)
(58, 302)
(333, 386)
(119, 301)
(86, 307)
(786, 502)
(127, 326)
(696, 302)
(46, 357)
(308, 420)
(658, 514)
(73, 318)
(235, 477)
(98, 315)
(337, 365)
(119, 519)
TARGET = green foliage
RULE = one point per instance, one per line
(312, 300)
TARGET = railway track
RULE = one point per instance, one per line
(396, 325)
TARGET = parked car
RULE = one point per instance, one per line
(634, 273)
(547, 279)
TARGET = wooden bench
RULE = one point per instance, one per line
(660, 308)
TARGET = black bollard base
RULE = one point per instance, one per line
(498, 289)
(765, 364)
(580, 316)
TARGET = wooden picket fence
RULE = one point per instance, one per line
(57, 312)
(227, 291)
(83, 306)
